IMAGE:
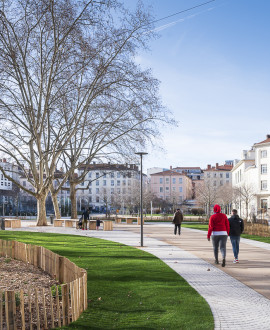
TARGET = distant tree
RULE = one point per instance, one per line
(244, 193)
(206, 195)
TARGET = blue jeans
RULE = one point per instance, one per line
(235, 245)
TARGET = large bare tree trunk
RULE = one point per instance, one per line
(55, 205)
(73, 200)
(41, 210)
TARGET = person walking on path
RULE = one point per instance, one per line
(85, 218)
(236, 229)
(219, 227)
(177, 220)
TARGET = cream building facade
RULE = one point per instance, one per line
(252, 173)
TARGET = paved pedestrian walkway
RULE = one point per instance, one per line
(237, 297)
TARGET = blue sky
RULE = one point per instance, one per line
(213, 64)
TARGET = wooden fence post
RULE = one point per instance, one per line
(22, 309)
(65, 303)
(61, 269)
(10, 307)
(1, 310)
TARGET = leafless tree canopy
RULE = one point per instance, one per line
(70, 89)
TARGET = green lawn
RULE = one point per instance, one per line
(205, 227)
(127, 288)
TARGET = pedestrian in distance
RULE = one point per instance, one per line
(85, 218)
(177, 220)
(219, 228)
(236, 229)
(98, 224)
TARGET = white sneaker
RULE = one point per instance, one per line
(234, 261)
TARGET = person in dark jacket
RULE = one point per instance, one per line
(177, 220)
(236, 229)
(85, 218)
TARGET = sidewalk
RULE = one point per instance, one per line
(230, 291)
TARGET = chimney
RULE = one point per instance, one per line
(268, 136)
(170, 167)
(209, 167)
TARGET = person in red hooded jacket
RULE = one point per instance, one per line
(219, 227)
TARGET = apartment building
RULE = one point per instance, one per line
(252, 175)
(109, 185)
(8, 190)
(219, 175)
(171, 186)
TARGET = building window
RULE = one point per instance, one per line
(90, 199)
(118, 174)
(174, 180)
(263, 153)
(173, 188)
(208, 175)
(124, 182)
(129, 182)
(90, 190)
(104, 174)
(167, 180)
(97, 183)
(263, 169)
(112, 190)
(89, 175)
(264, 185)
(97, 175)
(227, 175)
(221, 175)
(264, 204)
(118, 182)
(104, 182)
(215, 175)
(160, 180)
(167, 188)
(112, 183)
(180, 180)
(97, 190)
(97, 199)
(180, 189)
(160, 189)
(221, 182)
(112, 175)
(180, 198)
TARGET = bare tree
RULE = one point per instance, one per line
(225, 197)
(244, 194)
(65, 65)
(207, 195)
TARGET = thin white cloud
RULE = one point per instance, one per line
(166, 26)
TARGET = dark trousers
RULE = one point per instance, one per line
(235, 240)
(178, 225)
(219, 241)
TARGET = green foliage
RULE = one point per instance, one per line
(17, 299)
(127, 288)
(54, 288)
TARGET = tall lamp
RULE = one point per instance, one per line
(141, 195)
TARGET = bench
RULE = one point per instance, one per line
(13, 223)
(71, 223)
(58, 222)
(107, 225)
(129, 221)
(139, 221)
(118, 220)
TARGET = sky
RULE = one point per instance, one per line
(213, 64)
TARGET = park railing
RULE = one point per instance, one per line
(43, 308)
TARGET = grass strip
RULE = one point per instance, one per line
(127, 288)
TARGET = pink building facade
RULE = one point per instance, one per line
(171, 186)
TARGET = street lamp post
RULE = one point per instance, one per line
(141, 195)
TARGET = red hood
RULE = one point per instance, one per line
(217, 208)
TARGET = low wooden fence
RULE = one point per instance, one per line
(260, 228)
(43, 309)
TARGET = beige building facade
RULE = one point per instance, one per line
(171, 186)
